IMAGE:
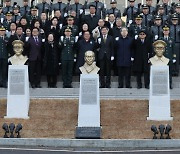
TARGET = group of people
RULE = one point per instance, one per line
(58, 34)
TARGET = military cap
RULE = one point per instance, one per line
(25, 0)
(157, 17)
(16, 7)
(165, 28)
(145, 6)
(161, 6)
(159, 42)
(143, 31)
(9, 13)
(178, 5)
(34, 8)
(174, 17)
(17, 42)
(92, 6)
(113, 1)
(131, 0)
(1, 6)
(68, 29)
(138, 17)
(2, 28)
(70, 17)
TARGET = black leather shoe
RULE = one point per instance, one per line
(120, 86)
(33, 86)
(139, 87)
(128, 87)
(147, 87)
(38, 86)
(102, 86)
(108, 86)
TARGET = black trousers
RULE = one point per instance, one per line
(105, 71)
(52, 80)
(3, 72)
(124, 72)
(146, 79)
(67, 72)
(35, 72)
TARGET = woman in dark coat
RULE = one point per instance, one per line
(51, 61)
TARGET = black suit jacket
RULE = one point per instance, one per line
(105, 48)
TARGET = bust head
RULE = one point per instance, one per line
(18, 47)
(159, 47)
(89, 57)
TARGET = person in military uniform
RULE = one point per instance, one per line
(151, 8)
(67, 43)
(117, 28)
(159, 59)
(142, 53)
(25, 9)
(177, 10)
(16, 15)
(8, 7)
(135, 28)
(43, 7)
(59, 6)
(77, 7)
(1, 15)
(169, 50)
(33, 16)
(131, 11)
(70, 24)
(114, 10)
(147, 18)
(167, 8)
(175, 33)
(100, 8)
(8, 20)
(3, 58)
(156, 29)
(161, 12)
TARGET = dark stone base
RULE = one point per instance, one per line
(88, 133)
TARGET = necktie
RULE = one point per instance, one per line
(60, 6)
(25, 9)
(145, 19)
(76, 8)
(104, 38)
(132, 13)
(96, 6)
(43, 7)
(36, 40)
(175, 33)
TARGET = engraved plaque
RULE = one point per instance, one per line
(17, 82)
(159, 83)
(89, 91)
(88, 132)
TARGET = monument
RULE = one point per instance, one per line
(18, 84)
(159, 98)
(89, 101)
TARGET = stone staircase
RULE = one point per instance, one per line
(108, 93)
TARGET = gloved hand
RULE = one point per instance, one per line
(130, 21)
(117, 38)
(74, 59)
(136, 36)
(81, 11)
(174, 61)
(27, 38)
(112, 58)
(132, 59)
(99, 40)
(156, 37)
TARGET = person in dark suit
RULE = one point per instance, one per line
(17, 36)
(105, 55)
(83, 45)
(3, 58)
(35, 57)
(142, 53)
(51, 61)
(91, 19)
(124, 50)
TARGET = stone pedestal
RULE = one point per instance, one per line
(18, 92)
(89, 107)
(159, 97)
